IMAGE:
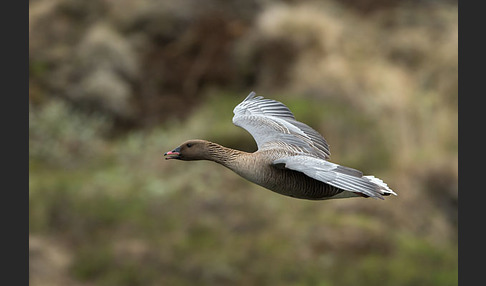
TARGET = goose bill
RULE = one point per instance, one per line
(174, 154)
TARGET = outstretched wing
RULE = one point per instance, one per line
(272, 124)
(345, 178)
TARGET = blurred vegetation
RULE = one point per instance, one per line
(115, 84)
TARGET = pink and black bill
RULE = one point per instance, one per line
(174, 154)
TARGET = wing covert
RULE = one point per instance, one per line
(272, 124)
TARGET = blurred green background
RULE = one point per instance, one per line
(115, 84)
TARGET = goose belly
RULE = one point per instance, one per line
(296, 184)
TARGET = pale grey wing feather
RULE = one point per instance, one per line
(272, 124)
(345, 178)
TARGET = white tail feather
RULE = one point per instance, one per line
(384, 187)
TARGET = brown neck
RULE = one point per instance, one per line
(223, 155)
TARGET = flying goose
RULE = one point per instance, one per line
(292, 158)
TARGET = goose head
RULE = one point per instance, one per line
(189, 151)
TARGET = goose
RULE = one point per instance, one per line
(292, 158)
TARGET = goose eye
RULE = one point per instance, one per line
(189, 145)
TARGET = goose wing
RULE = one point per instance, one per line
(341, 177)
(272, 125)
